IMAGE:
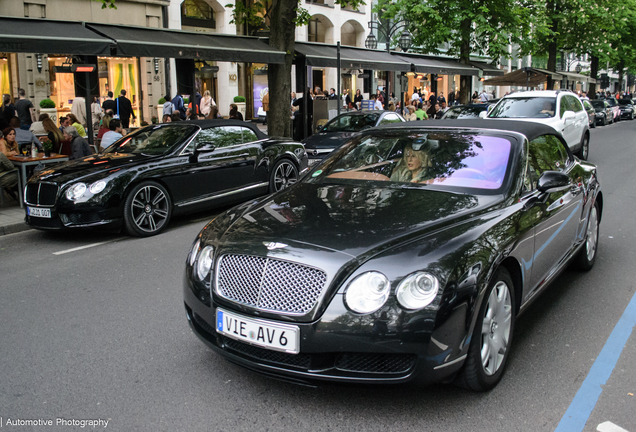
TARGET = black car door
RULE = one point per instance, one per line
(557, 212)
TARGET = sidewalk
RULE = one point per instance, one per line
(11, 217)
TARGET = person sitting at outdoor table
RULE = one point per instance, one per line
(411, 115)
(214, 113)
(37, 128)
(104, 128)
(23, 137)
(235, 113)
(113, 134)
(64, 123)
(8, 176)
(77, 125)
(53, 133)
(79, 146)
(8, 144)
(167, 118)
(412, 167)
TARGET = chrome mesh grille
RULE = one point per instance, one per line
(269, 284)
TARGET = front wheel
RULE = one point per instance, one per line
(284, 174)
(147, 210)
(492, 336)
(586, 257)
(584, 152)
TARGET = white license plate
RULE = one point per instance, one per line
(314, 161)
(278, 337)
(39, 212)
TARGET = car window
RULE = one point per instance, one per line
(524, 107)
(390, 118)
(220, 136)
(351, 123)
(547, 153)
(422, 159)
(575, 103)
(249, 135)
(587, 105)
(564, 106)
(153, 140)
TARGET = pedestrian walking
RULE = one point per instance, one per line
(125, 109)
(23, 109)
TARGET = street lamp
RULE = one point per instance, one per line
(389, 30)
(578, 68)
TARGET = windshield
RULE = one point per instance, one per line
(421, 159)
(352, 123)
(598, 104)
(152, 140)
(529, 107)
(624, 102)
(463, 112)
(612, 102)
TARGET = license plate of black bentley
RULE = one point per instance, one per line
(39, 212)
(264, 333)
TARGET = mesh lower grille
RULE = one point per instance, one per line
(53, 222)
(80, 218)
(41, 194)
(302, 361)
(204, 324)
(375, 363)
(269, 284)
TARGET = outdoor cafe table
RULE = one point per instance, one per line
(22, 162)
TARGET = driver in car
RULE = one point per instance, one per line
(412, 167)
(547, 109)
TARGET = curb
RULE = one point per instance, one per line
(14, 228)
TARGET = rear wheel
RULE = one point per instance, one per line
(147, 210)
(492, 337)
(584, 151)
(586, 257)
(283, 175)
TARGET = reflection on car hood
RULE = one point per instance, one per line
(351, 219)
(90, 165)
(326, 140)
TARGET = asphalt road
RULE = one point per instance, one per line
(101, 333)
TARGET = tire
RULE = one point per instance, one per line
(593, 125)
(605, 121)
(586, 257)
(492, 337)
(284, 174)
(584, 151)
(147, 210)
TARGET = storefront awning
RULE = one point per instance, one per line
(527, 76)
(51, 37)
(321, 55)
(436, 65)
(572, 76)
(150, 42)
(487, 69)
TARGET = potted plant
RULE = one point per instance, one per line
(240, 103)
(47, 106)
(47, 146)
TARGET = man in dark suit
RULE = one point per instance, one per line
(109, 103)
(125, 109)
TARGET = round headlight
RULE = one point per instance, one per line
(76, 191)
(97, 187)
(193, 252)
(204, 262)
(368, 292)
(417, 290)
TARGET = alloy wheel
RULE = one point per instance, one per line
(495, 330)
(285, 175)
(149, 208)
(592, 234)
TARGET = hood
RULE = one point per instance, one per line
(352, 220)
(328, 140)
(90, 165)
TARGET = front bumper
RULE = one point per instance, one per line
(626, 113)
(333, 350)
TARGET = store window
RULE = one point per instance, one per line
(197, 13)
(5, 84)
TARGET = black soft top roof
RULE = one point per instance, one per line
(530, 129)
(221, 122)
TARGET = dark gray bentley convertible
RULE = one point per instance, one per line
(407, 255)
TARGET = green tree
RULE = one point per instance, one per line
(465, 27)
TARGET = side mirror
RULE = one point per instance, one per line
(551, 181)
(483, 114)
(568, 116)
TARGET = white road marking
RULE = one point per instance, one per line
(85, 247)
(608, 426)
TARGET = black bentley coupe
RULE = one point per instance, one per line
(144, 178)
(407, 255)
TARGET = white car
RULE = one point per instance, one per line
(560, 109)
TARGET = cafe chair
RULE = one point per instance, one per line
(10, 190)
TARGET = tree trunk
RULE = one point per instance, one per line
(465, 82)
(593, 74)
(621, 74)
(282, 37)
(552, 44)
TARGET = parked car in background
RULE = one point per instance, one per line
(464, 111)
(591, 113)
(613, 103)
(559, 109)
(627, 108)
(145, 178)
(406, 256)
(342, 128)
(604, 112)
